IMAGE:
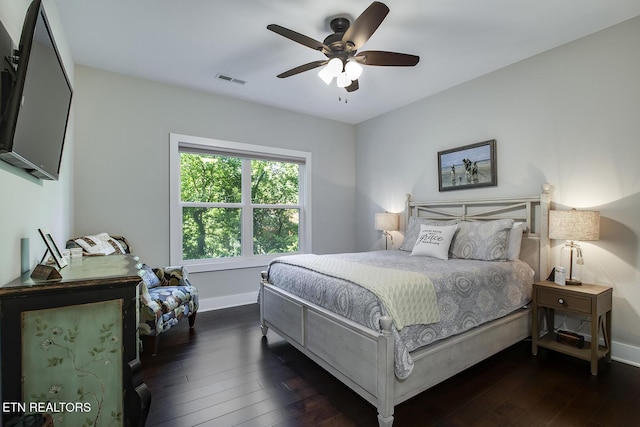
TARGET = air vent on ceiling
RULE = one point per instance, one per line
(230, 79)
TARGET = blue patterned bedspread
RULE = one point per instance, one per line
(469, 294)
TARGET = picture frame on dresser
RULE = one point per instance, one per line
(469, 166)
(52, 248)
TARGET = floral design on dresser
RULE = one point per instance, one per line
(73, 368)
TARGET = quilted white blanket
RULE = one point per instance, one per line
(408, 297)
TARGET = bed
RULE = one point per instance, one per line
(388, 360)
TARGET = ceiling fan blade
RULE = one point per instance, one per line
(365, 24)
(391, 59)
(303, 68)
(298, 38)
(353, 86)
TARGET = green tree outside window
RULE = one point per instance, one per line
(213, 207)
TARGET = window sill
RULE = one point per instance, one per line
(201, 266)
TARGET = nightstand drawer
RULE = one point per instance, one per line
(563, 301)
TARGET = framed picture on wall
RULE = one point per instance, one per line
(52, 248)
(469, 166)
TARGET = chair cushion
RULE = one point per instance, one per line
(162, 307)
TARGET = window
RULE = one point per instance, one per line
(236, 205)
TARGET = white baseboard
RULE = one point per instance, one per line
(208, 304)
(625, 353)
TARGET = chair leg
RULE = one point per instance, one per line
(192, 319)
(154, 343)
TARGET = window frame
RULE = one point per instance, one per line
(178, 142)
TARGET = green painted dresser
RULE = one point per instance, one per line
(69, 346)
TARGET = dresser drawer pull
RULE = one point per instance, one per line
(560, 301)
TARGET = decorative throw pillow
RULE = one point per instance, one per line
(515, 241)
(413, 230)
(434, 241)
(485, 241)
(148, 276)
(100, 244)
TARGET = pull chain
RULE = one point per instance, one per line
(342, 97)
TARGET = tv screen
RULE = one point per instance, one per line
(35, 119)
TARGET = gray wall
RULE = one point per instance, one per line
(29, 203)
(569, 117)
(122, 156)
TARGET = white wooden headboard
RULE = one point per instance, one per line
(534, 211)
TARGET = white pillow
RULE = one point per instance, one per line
(413, 229)
(434, 241)
(515, 241)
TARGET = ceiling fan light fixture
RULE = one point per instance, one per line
(342, 46)
(333, 69)
(335, 66)
(343, 80)
(326, 75)
(353, 70)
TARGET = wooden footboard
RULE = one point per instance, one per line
(363, 358)
(359, 357)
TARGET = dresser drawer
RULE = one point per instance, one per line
(563, 301)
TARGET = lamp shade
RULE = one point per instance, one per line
(343, 80)
(353, 70)
(387, 221)
(333, 69)
(326, 75)
(574, 225)
(335, 66)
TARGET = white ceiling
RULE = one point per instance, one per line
(189, 42)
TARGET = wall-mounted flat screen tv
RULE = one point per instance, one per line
(36, 99)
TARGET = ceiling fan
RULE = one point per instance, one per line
(341, 48)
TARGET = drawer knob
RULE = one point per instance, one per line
(560, 301)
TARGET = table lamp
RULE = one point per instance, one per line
(386, 222)
(573, 226)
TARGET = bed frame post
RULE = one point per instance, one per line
(407, 211)
(263, 325)
(386, 372)
(545, 245)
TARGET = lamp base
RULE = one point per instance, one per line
(573, 282)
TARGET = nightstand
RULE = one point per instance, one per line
(589, 300)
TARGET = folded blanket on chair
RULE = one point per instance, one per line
(408, 297)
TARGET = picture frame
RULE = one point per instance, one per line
(52, 248)
(469, 166)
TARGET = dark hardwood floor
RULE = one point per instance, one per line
(223, 373)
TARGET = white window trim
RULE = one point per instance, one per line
(176, 141)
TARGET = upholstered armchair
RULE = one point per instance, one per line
(166, 297)
(166, 294)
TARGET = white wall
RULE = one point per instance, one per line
(122, 157)
(28, 203)
(569, 117)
